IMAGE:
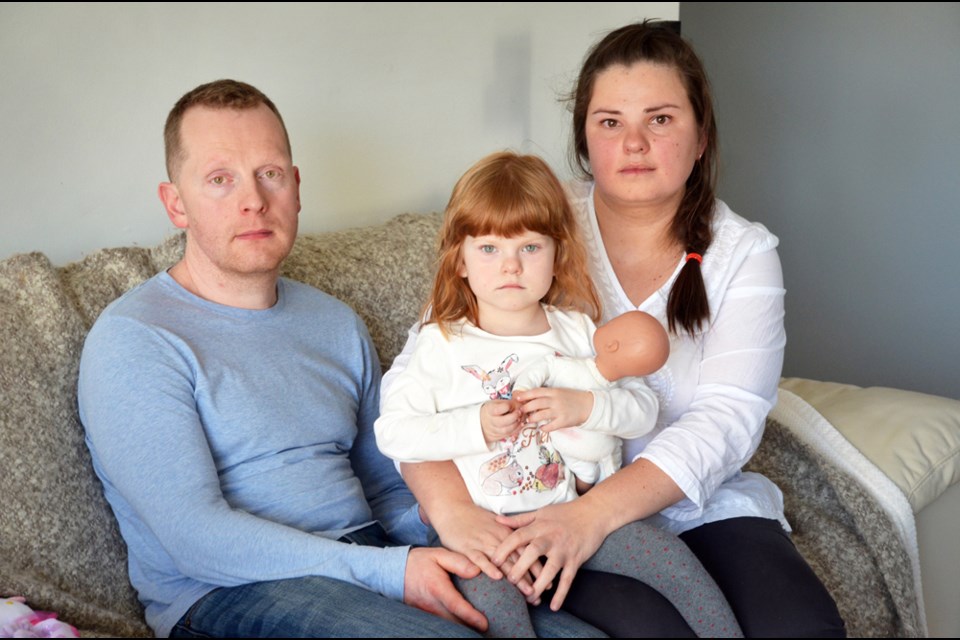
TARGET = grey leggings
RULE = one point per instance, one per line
(639, 551)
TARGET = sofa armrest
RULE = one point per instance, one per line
(914, 438)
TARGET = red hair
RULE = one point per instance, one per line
(505, 194)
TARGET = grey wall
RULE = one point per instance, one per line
(840, 130)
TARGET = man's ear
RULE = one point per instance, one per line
(170, 197)
(296, 174)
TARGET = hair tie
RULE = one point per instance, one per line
(694, 256)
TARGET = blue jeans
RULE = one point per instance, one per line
(315, 606)
(323, 607)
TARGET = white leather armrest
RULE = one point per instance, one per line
(914, 438)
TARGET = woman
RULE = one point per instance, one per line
(645, 137)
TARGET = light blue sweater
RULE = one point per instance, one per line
(237, 446)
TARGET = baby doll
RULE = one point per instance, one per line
(632, 344)
(17, 620)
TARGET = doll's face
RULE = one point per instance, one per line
(633, 344)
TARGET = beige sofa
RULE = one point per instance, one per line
(852, 505)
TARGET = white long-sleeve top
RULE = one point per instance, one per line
(718, 385)
(591, 455)
(431, 411)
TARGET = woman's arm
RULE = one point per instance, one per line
(736, 386)
(730, 390)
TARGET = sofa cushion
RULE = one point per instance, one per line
(61, 546)
(354, 264)
(914, 438)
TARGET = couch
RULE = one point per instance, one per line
(869, 475)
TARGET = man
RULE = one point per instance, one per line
(229, 413)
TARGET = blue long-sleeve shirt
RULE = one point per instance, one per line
(237, 445)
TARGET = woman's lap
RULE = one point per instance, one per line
(771, 588)
(769, 585)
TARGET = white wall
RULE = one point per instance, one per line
(386, 105)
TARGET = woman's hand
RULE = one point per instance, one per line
(556, 408)
(463, 526)
(475, 533)
(567, 534)
(570, 533)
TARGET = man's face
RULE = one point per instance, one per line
(236, 193)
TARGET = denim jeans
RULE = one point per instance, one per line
(315, 606)
(322, 607)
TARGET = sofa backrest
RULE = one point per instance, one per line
(60, 544)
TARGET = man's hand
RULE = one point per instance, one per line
(427, 585)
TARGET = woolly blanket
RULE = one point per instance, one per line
(61, 546)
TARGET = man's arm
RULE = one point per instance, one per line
(389, 498)
(139, 406)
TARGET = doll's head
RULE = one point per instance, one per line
(506, 194)
(632, 344)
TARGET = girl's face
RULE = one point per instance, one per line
(642, 136)
(507, 275)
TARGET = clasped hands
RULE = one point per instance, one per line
(531, 550)
(548, 408)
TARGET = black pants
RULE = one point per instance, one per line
(770, 587)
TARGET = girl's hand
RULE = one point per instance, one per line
(555, 408)
(499, 419)
(567, 534)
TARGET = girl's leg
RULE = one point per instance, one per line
(769, 585)
(502, 603)
(661, 560)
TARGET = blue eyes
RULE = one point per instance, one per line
(489, 248)
(270, 175)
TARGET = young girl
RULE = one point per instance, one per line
(511, 289)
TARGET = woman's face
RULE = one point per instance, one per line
(642, 136)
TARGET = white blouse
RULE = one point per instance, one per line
(717, 386)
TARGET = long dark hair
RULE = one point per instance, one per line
(660, 43)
